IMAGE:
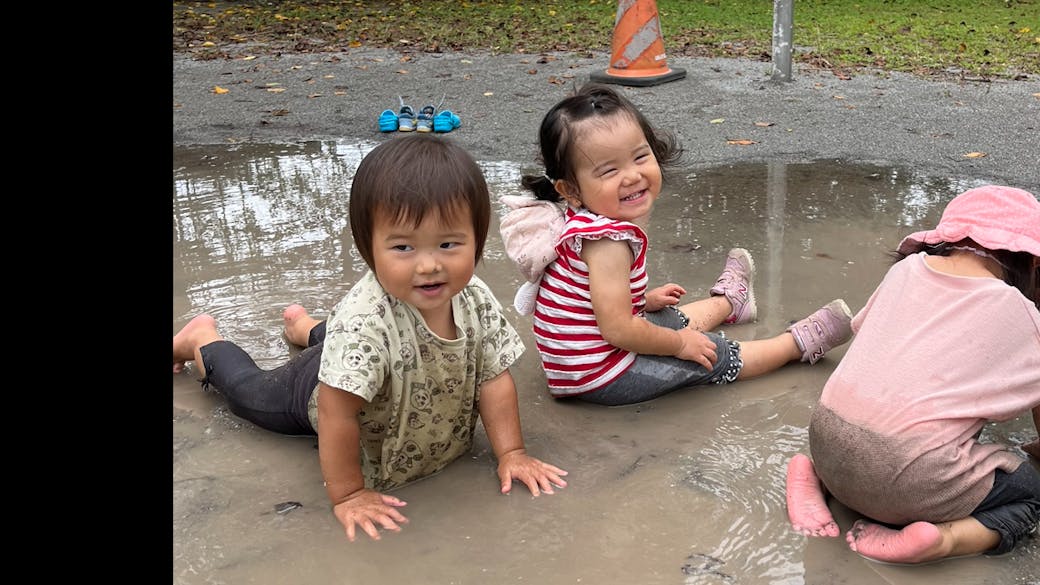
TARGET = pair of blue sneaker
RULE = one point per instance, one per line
(428, 120)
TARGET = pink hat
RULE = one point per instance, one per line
(995, 217)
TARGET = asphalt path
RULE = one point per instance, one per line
(724, 111)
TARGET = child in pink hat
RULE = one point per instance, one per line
(948, 342)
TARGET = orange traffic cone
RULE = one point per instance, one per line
(637, 56)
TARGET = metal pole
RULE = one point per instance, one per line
(783, 21)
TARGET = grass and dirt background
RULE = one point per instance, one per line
(975, 39)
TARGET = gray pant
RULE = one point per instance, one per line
(1012, 507)
(652, 376)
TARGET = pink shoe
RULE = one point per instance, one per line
(827, 328)
(735, 283)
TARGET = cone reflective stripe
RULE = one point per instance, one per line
(637, 52)
(637, 37)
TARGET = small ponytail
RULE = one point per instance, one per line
(542, 187)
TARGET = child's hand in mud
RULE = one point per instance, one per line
(697, 347)
(366, 508)
(538, 476)
(1032, 449)
(663, 296)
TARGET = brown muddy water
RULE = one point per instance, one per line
(687, 489)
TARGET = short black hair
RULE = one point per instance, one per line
(411, 176)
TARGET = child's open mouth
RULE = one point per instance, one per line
(431, 288)
(634, 196)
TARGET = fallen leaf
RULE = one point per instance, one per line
(209, 44)
(741, 142)
(764, 124)
(403, 71)
(556, 80)
(340, 93)
(532, 71)
(717, 121)
(354, 44)
(465, 61)
(276, 89)
(219, 90)
(1037, 95)
(975, 155)
(838, 97)
(314, 95)
(248, 58)
(279, 112)
(329, 76)
(489, 93)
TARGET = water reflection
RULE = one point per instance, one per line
(687, 489)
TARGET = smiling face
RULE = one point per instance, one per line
(425, 265)
(615, 171)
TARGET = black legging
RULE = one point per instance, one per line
(276, 399)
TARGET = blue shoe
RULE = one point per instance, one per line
(406, 119)
(425, 122)
(446, 121)
(388, 121)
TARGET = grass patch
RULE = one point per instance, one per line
(983, 38)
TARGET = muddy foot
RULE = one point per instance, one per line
(806, 503)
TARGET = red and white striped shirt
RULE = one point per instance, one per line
(575, 357)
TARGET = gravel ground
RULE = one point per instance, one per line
(988, 130)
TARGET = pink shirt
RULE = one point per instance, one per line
(935, 357)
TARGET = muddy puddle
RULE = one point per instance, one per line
(687, 489)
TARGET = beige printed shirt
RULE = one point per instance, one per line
(421, 389)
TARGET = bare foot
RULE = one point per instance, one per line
(298, 324)
(198, 332)
(806, 504)
(916, 543)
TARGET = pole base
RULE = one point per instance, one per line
(639, 79)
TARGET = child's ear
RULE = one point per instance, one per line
(569, 192)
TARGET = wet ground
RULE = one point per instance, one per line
(687, 489)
